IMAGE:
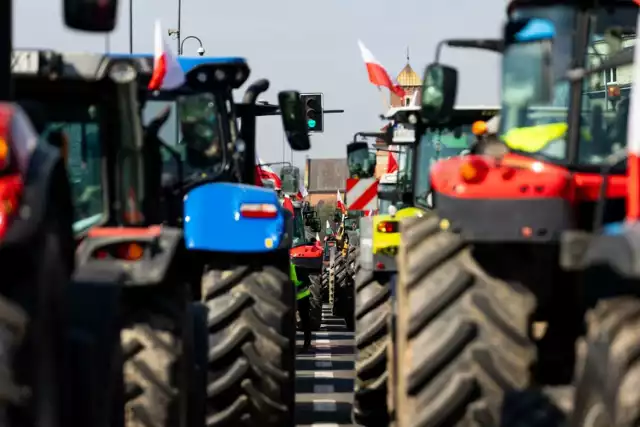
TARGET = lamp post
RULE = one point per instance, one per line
(176, 34)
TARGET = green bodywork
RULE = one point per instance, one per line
(302, 290)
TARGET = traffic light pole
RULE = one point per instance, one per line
(6, 35)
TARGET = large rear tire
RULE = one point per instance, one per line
(13, 325)
(315, 287)
(157, 342)
(372, 312)
(462, 336)
(251, 379)
(608, 366)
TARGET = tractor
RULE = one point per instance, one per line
(486, 314)
(305, 254)
(400, 195)
(37, 250)
(237, 237)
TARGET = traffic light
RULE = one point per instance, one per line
(313, 111)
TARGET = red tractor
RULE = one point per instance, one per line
(486, 312)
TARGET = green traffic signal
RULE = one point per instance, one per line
(311, 123)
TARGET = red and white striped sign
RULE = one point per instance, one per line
(362, 194)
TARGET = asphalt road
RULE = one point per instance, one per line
(324, 376)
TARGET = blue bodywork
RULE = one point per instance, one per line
(536, 30)
(212, 220)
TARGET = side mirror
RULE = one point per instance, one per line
(315, 226)
(527, 61)
(361, 162)
(293, 121)
(438, 91)
(96, 16)
(313, 240)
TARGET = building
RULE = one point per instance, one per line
(323, 178)
(610, 86)
(410, 81)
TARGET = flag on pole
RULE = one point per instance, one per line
(287, 203)
(265, 173)
(377, 73)
(167, 72)
(340, 203)
(302, 192)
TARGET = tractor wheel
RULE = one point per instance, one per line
(315, 287)
(462, 336)
(324, 280)
(372, 312)
(607, 367)
(157, 346)
(251, 347)
(13, 325)
(198, 392)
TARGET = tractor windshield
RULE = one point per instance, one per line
(76, 129)
(299, 237)
(434, 145)
(541, 129)
(197, 134)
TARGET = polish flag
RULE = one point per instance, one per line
(302, 192)
(287, 203)
(633, 138)
(264, 172)
(377, 73)
(340, 203)
(392, 163)
(167, 72)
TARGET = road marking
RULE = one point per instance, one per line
(323, 355)
(323, 341)
(324, 405)
(323, 364)
(323, 374)
(324, 388)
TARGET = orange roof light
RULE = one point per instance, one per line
(479, 128)
(613, 90)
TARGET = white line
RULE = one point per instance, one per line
(323, 374)
(324, 388)
(323, 356)
(323, 364)
(322, 333)
(325, 406)
(323, 341)
(324, 425)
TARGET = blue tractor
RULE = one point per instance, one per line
(237, 236)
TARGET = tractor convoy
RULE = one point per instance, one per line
(152, 274)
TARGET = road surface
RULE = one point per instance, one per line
(324, 376)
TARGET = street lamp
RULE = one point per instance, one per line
(176, 35)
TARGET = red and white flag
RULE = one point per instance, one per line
(264, 172)
(392, 163)
(302, 192)
(339, 203)
(287, 203)
(167, 72)
(377, 73)
(633, 138)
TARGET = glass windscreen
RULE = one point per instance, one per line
(195, 135)
(298, 228)
(437, 144)
(542, 129)
(76, 129)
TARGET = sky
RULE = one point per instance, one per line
(309, 46)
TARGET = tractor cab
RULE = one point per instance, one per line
(85, 105)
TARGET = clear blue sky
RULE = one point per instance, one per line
(310, 46)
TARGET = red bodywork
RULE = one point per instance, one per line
(11, 180)
(515, 176)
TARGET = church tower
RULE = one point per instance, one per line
(411, 83)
